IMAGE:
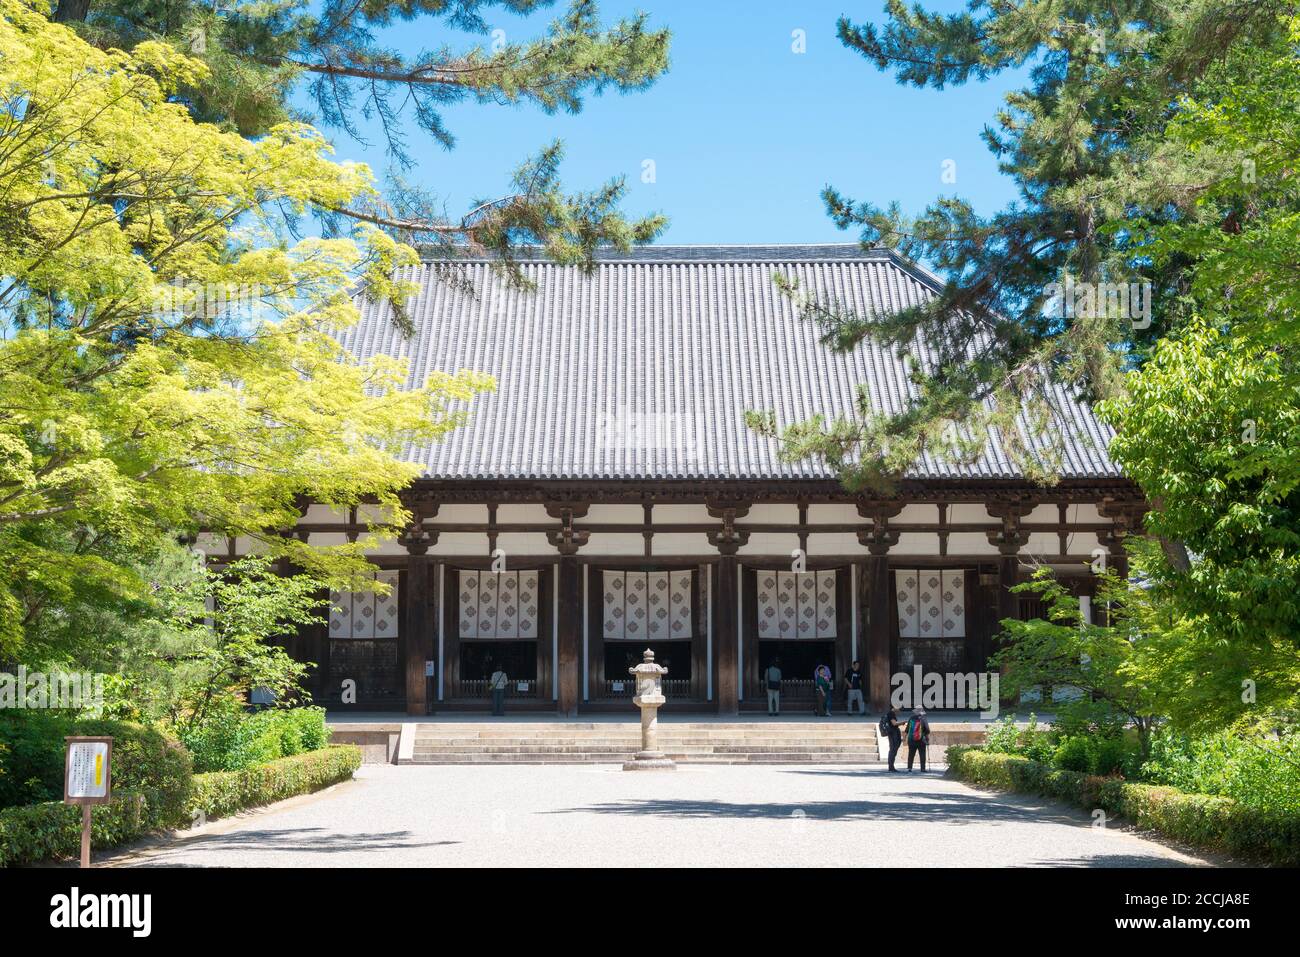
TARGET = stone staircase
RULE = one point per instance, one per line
(613, 742)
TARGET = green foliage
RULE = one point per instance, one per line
(1115, 144)
(233, 739)
(1218, 823)
(1257, 772)
(1101, 661)
(1088, 750)
(145, 760)
(263, 62)
(224, 792)
(1211, 431)
(42, 832)
(167, 363)
(1002, 736)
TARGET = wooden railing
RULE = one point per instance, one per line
(479, 688)
(626, 687)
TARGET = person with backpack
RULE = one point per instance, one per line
(891, 729)
(772, 679)
(825, 686)
(918, 737)
(853, 682)
(498, 683)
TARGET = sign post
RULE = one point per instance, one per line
(87, 780)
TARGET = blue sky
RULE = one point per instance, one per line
(743, 132)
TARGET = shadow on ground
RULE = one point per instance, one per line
(897, 806)
(314, 840)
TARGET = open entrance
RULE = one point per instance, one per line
(478, 659)
(797, 661)
(673, 655)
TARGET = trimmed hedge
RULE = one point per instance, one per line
(144, 759)
(219, 793)
(1204, 820)
(39, 832)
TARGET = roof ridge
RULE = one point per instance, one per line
(690, 252)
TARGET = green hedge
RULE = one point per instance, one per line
(219, 793)
(1204, 820)
(144, 759)
(41, 832)
(232, 738)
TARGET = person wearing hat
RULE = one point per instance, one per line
(918, 737)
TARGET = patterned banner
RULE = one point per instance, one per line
(646, 606)
(796, 605)
(498, 605)
(931, 603)
(364, 614)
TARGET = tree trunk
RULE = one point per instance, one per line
(71, 11)
(1176, 555)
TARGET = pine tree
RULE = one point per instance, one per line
(258, 53)
(1085, 143)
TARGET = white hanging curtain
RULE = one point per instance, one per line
(796, 604)
(646, 606)
(931, 603)
(363, 614)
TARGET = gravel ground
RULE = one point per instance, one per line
(551, 815)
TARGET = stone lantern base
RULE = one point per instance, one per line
(650, 761)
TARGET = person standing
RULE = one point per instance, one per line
(893, 730)
(918, 737)
(825, 685)
(772, 681)
(853, 681)
(498, 683)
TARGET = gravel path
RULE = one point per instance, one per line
(553, 815)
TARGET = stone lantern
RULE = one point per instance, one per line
(649, 696)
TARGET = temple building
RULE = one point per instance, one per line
(609, 497)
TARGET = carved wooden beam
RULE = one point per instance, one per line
(880, 538)
(1012, 536)
(415, 538)
(567, 540)
(727, 540)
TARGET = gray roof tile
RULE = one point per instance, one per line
(644, 368)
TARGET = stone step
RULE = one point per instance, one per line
(466, 727)
(692, 739)
(613, 742)
(560, 749)
(618, 757)
(636, 739)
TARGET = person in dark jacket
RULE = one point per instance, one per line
(895, 735)
(918, 737)
(853, 684)
(825, 686)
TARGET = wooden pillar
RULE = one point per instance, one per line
(750, 683)
(568, 666)
(1008, 602)
(728, 540)
(417, 635)
(1008, 540)
(876, 630)
(566, 540)
(878, 627)
(416, 641)
(725, 663)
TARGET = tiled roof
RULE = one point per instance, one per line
(644, 369)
